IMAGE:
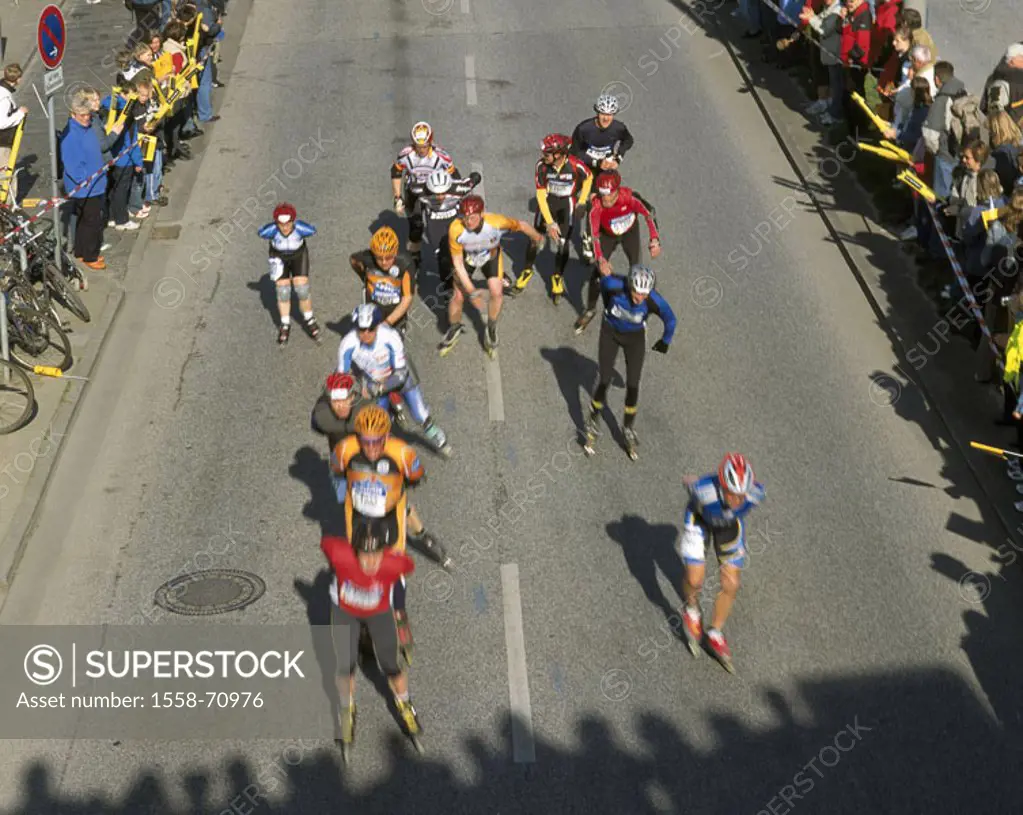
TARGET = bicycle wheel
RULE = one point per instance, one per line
(65, 293)
(37, 339)
(17, 398)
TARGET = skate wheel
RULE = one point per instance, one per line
(632, 454)
(417, 743)
(693, 647)
(589, 450)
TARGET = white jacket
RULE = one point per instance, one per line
(10, 115)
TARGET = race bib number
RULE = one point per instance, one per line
(623, 223)
(561, 189)
(598, 152)
(359, 597)
(369, 497)
(385, 294)
(477, 259)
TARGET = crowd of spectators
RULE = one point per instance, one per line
(964, 144)
(117, 146)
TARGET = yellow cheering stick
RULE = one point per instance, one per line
(912, 180)
(119, 116)
(988, 216)
(888, 151)
(995, 451)
(879, 123)
(57, 373)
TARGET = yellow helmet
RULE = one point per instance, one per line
(422, 134)
(385, 241)
(372, 421)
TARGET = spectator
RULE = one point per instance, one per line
(910, 17)
(920, 67)
(828, 25)
(896, 73)
(148, 190)
(10, 117)
(1004, 88)
(855, 49)
(964, 194)
(180, 124)
(881, 34)
(85, 180)
(937, 126)
(210, 30)
(974, 236)
(127, 159)
(141, 60)
(106, 142)
(815, 55)
(911, 130)
(1006, 141)
(147, 13)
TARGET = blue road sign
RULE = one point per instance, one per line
(52, 37)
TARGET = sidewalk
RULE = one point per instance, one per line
(96, 33)
(934, 380)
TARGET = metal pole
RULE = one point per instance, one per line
(4, 350)
(58, 244)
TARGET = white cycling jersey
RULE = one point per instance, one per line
(377, 361)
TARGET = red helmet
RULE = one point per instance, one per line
(471, 205)
(608, 182)
(285, 213)
(735, 474)
(555, 143)
(340, 386)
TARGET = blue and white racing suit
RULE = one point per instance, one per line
(707, 515)
(385, 364)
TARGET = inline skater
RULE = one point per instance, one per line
(375, 471)
(334, 416)
(414, 164)
(600, 143)
(367, 573)
(438, 201)
(562, 183)
(289, 267)
(717, 504)
(628, 303)
(377, 352)
(388, 275)
(613, 219)
(474, 241)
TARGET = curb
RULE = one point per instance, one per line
(885, 323)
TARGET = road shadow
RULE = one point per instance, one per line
(845, 753)
(313, 470)
(267, 296)
(648, 548)
(577, 376)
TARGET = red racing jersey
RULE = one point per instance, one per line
(619, 218)
(356, 592)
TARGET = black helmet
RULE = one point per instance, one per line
(370, 536)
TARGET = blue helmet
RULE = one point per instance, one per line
(367, 316)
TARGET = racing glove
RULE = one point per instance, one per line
(661, 347)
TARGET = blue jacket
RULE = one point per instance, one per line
(130, 135)
(913, 128)
(106, 140)
(80, 152)
(625, 316)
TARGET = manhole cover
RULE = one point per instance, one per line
(216, 591)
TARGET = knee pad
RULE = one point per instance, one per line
(416, 404)
(284, 293)
(302, 290)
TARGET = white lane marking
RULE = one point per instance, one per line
(495, 397)
(465, 6)
(470, 80)
(523, 746)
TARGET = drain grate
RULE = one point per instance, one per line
(215, 591)
(171, 232)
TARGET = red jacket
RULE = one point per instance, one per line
(356, 592)
(884, 28)
(856, 32)
(618, 219)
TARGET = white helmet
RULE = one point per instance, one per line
(422, 134)
(439, 182)
(606, 103)
(642, 279)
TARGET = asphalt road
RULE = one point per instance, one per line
(858, 613)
